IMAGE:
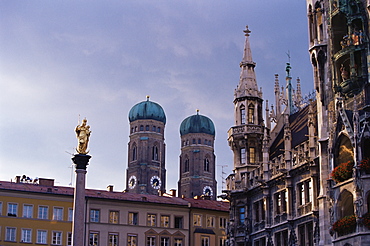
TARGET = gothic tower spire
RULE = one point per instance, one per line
(245, 137)
(247, 83)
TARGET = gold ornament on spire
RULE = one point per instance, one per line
(83, 134)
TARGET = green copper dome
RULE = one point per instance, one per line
(197, 124)
(147, 110)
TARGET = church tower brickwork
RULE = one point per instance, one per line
(197, 158)
(146, 172)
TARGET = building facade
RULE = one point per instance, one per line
(41, 214)
(197, 159)
(310, 183)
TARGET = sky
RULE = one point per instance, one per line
(62, 61)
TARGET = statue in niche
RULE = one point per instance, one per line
(83, 134)
(344, 73)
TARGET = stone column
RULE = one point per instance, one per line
(78, 226)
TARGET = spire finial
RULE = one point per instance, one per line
(147, 97)
(197, 111)
(247, 31)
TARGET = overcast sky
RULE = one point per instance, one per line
(65, 60)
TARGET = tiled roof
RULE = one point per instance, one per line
(92, 193)
(112, 195)
(209, 204)
(299, 131)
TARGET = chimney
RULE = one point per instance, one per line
(110, 188)
(173, 192)
(46, 182)
(17, 179)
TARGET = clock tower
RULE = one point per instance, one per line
(146, 172)
(197, 159)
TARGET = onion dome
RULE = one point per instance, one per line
(197, 124)
(147, 110)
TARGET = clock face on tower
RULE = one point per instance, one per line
(207, 191)
(132, 182)
(155, 181)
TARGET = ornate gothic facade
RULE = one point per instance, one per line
(302, 176)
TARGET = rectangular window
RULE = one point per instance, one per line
(132, 218)
(256, 206)
(1, 208)
(41, 236)
(251, 114)
(150, 241)
(131, 240)
(151, 220)
(210, 221)
(113, 239)
(57, 238)
(222, 241)
(94, 215)
(165, 221)
(12, 209)
(242, 156)
(10, 234)
(305, 234)
(26, 236)
(197, 220)
(165, 241)
(280, 200)
(178, 242)
(252, 155)
(242, 116)
(223, 222)
(43, 212)
(260, 242)
(70, 214)
(113, 217)
(94, 239)
(241, 215)
(281, 238)
(58, 213)
(301, 193)
(69, 238)
(178, 222)
(205, 241)
(27, 211)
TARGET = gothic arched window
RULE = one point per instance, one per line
(134, 153)
(186, 165)
(251, 114)
(242, 115)
(155, 156)
(206, 164)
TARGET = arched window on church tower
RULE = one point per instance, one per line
(251, 114)
(134, 153)
(155, 156)
(206, 164)
(242, 115)
(186, 165)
